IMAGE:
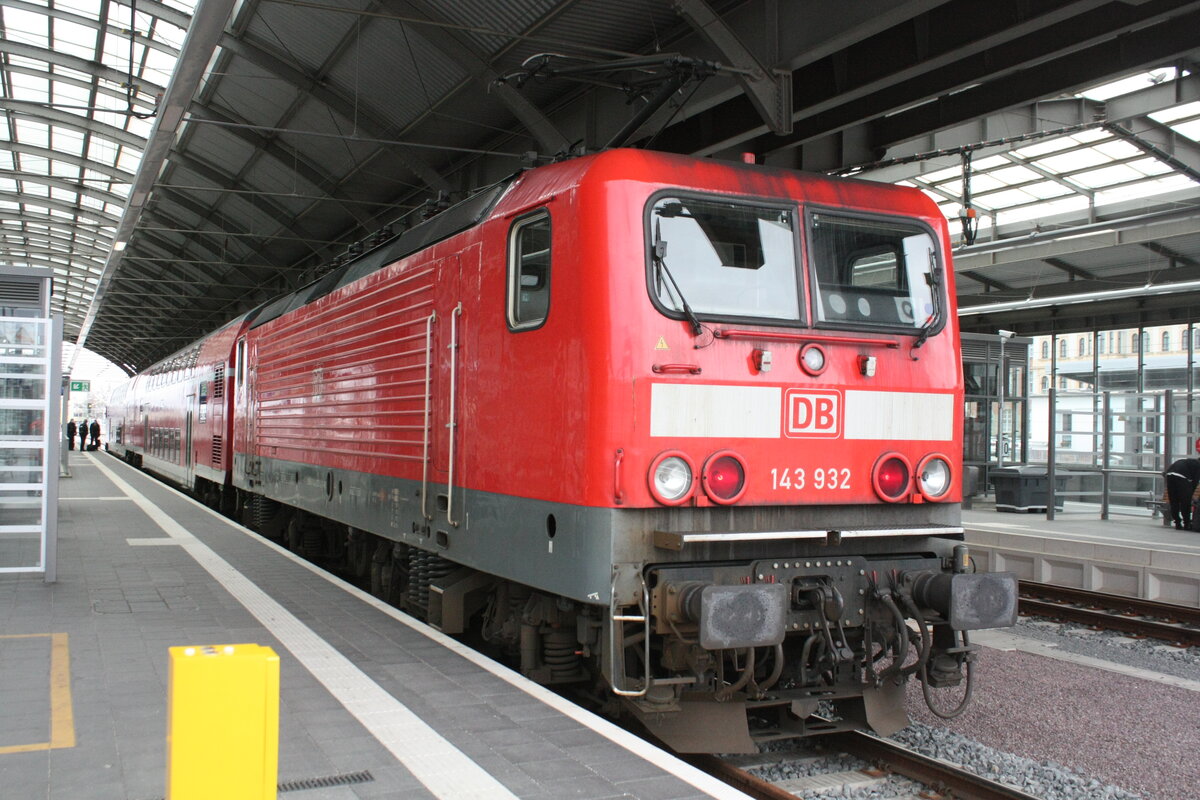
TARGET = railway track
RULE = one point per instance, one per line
(1179, 625)
(935, 778)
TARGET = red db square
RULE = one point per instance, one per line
(813, 413)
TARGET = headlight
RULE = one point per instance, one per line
(671, 478)
(933, 477)
(724, 477)
(812, 359)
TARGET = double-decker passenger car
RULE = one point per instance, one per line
(686, 429)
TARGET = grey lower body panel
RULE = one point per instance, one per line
(572, 550)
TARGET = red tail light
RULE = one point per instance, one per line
(892, 478)
(724, 477)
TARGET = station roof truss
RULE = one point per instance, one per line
(176, 165)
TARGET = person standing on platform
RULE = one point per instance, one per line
(83, 434)
(1182, 477)
(71, 435)
(95, 431)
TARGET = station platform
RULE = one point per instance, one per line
(372, 702)
(1131, 553)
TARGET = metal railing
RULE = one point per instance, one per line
(1135, 436)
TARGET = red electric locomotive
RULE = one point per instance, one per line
(686, 429)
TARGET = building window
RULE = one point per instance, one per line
(1166, 342)
(1065, 440)
(1045, 348)
(1062, 348)
(1082, 346)
(1103, 349)
(1062, 384)
(1045, 383)
(1133, 344)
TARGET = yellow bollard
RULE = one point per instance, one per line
(223, 722)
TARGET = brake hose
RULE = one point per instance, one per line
(901, 633)
(724, 694)
(966, 696)
(926, 638)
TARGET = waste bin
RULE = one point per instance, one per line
(1025, 488)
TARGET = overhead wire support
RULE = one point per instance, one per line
(954, 151)
(650, 83)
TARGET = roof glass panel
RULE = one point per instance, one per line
(32, 132)
(1176, 112)
(1073, 161)
(1013, 174)
(1043, 147)
(28, 87)
(1189, 129)
(1108, 176)
(70, 94)
(1143, 189)
(1117, 148)
(1067, 176)
(1046, 190)
(1150, 166)
(27, 26)
(74, 39)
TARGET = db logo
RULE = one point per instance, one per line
(813, 413)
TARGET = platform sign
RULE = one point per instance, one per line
(81, 386)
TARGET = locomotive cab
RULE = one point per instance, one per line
(796, 414)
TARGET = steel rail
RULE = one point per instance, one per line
(1170, 622)
(738, 778)
(960, 783)
(932, 772)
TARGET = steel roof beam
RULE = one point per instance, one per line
(1175, 259)
(1155, 139)
(99, 217)
(1070, 269)
(60, 59)
(988, 283)
(118, 175)
(313, 86)
(1097, 236)
(63, 183)
(769, 90)
(1088, 50)
(25, 109)
(548, 136)
(208, 24)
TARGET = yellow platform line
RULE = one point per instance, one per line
(62, 710)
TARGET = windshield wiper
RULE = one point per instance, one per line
(935, 299)
(659, 254)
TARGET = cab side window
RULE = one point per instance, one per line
(529, 272)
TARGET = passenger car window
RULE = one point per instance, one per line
(529, 272)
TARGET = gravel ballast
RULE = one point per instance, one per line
(1078, 732)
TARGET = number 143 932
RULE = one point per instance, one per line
(798, 478)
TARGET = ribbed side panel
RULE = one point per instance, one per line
(347, 375)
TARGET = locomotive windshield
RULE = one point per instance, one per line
(874, 273)
(722, 258)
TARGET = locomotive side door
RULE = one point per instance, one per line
(453, 353)
(245, 468)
